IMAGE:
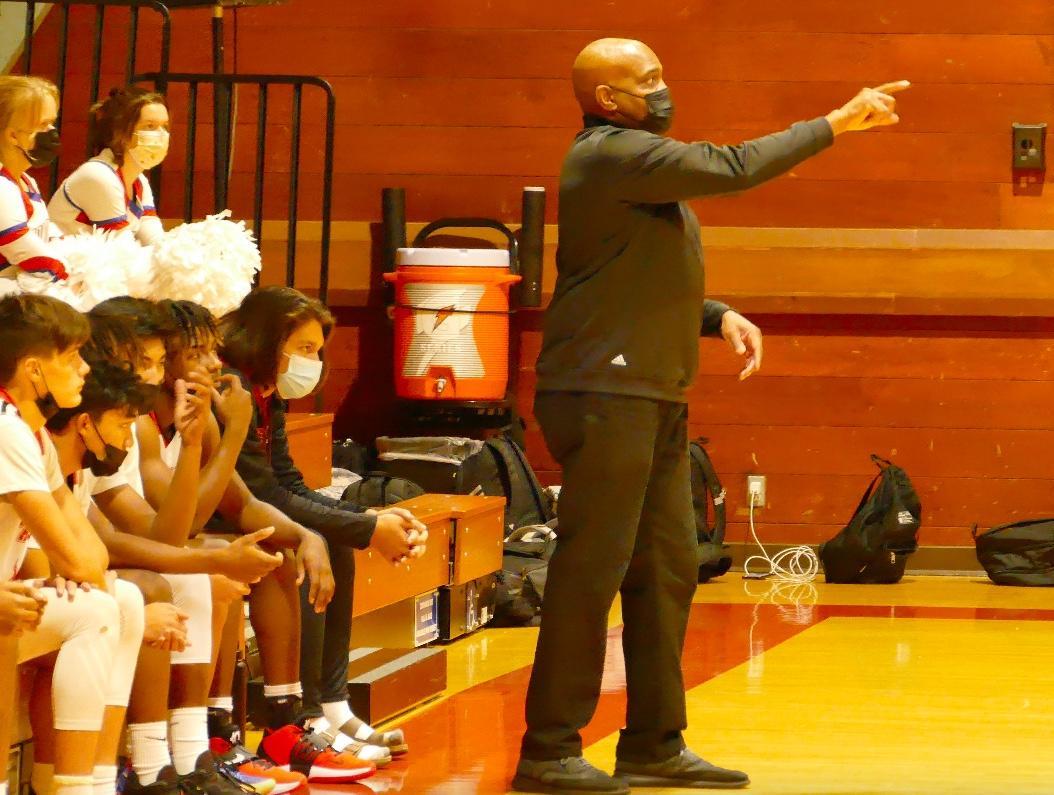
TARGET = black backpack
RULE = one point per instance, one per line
(1021, 553)
(521, 581)
(875, 545)
(379, 490)
(708, 497)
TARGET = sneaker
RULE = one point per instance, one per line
(248, 764)
(209, 779)
(292, 748)
(258, 784)
(565, 777)
(380, 756)
(394, 741)
(684, 770)
(167, 783)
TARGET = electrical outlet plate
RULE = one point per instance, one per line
(757, 484)
(1029, 146)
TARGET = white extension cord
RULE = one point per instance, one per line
(794, 565)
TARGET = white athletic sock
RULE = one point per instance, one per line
(105, 778)
(279, 691)
(188, 734)
(226, 703)
(148, 744)
(74, 785)
(337, 713)
(42, 778)
(3, 788)
(318, 725)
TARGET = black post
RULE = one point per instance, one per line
(60, 84)
(27, 41)
(294, 188)
(532, 247)
(221, 104)
(258, 178)
(192, 140)
(393, 219)
(327, 194)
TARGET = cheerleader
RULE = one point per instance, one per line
(129, 133)
(28, 139)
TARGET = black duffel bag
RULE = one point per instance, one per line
(524, 571)
(379, 490)
(1021, 553)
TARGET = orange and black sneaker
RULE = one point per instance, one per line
(248, 764)
(310, 754)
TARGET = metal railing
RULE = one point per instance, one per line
(130, 41)
(224, 87)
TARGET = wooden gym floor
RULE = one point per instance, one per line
(935, 685)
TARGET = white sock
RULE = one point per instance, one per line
(42, 778)
(337, 713)
(105, 777)
(74, 785)
(3, 788)
(188, 732)
(318, 725)
(148, 748)
(226, 703)
(280, 691)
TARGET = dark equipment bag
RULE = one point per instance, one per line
(708, 497)
(1021, 553)
(349, 455)
(875, 545)
(500, 469)
(379, 490)
(521, 581)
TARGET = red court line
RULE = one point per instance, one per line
(469, 743)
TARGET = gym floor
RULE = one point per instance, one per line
(935, 685)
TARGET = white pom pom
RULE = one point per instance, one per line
(42, 284)
(211, 262)
(103, 265)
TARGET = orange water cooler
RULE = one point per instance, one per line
(452, 306)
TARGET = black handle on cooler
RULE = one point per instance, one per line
(474, 223)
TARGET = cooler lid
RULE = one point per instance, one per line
(454, 257)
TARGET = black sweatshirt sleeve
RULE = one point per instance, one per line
(713, 311)
(280, 483)
(650, 169)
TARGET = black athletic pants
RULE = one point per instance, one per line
(626, 526)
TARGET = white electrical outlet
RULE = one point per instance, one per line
(756, 485)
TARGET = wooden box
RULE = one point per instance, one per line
(311, 447)
(379, 584)
(383, 683)
(477, 528)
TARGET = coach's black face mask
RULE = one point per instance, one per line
(660, 110)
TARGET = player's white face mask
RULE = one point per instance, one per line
(150, 148)
(300, 379)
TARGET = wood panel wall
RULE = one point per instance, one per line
(464, 102)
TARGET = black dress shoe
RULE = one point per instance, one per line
(686, 770)
(568, 776)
